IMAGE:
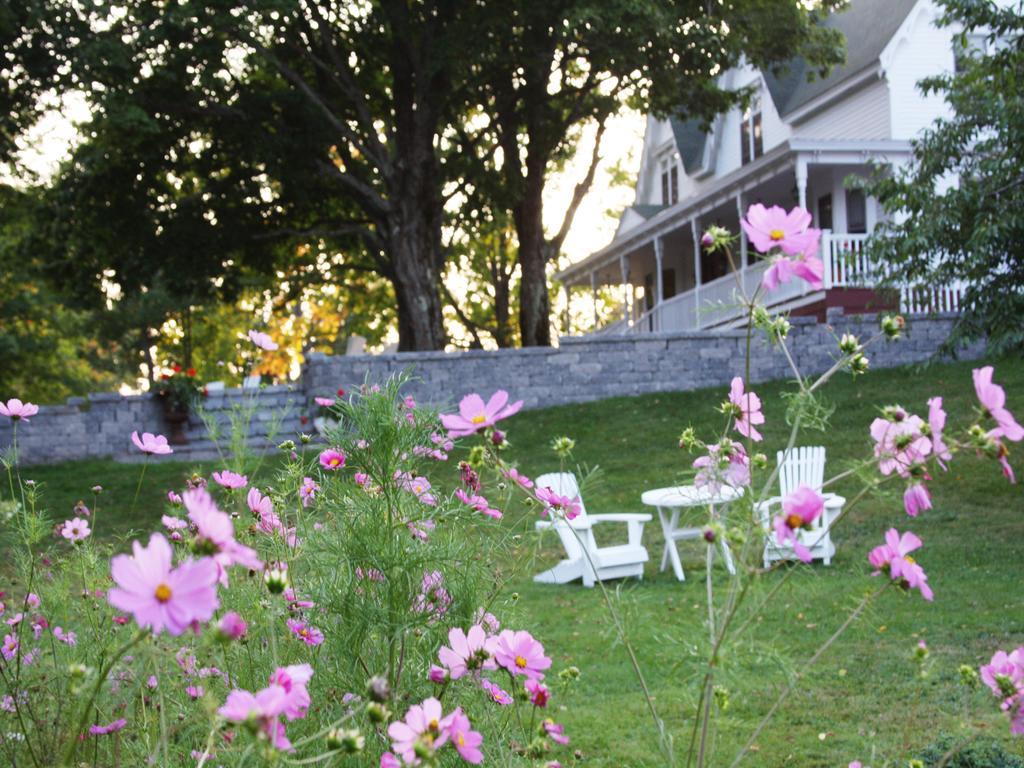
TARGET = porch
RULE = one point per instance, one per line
(667, 282)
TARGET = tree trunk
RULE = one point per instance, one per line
(414, 251)
(534, 305)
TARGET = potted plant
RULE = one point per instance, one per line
(177, 392)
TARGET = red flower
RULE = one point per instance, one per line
(304, 419)
(164, 376)
(341, 392)
(176, 368)
(190, 372)
(206, 392)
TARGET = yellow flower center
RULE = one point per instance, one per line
(162, 593)
(479, 419)
(433, 726)
(335, 462)
(795, 521)
(461, 740)
(776, 234)
(909, 559)
(520, 662)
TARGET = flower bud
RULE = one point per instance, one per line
(849, 344)
(563, 446)
(276, 578)
(498, 438)
(892, 326)
(709, 534)
(305, 439)
(377, 712)
(688, 439)
(287, 445)
(969, 676)
(348, 740)
(859, 364)
(377, 689)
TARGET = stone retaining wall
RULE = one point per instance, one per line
(579, 370)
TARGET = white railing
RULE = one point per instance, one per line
(846, 263)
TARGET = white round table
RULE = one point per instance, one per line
(670, 502)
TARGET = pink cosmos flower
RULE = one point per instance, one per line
(324, 402)
(437, 674)
(308, 491)
(478, 503)
(498, 696)
(106, 730)
(900, 442)
(259, 504)
(801, 508)
(215, 534)
(1004, 674)
(172, 523)
(388, 760)
(993, 400)
(10, 647)
(523, 481)
(556, 504)
(294, 679)
(76, 529)
(263, 709)
(68, 638)
(424, 730)
(726, 464)
(418, 486)
(16, 410)
(469, 652)
(769, 228)
(538, 692)
(475, 415)
(520, 654)
(487, 620)
(936, 424)
(465, 740)
(174, 498)
(433, 598)
(893, 558)
(262, 340)
(307, 633)
(556, 732)
(916, 499)
(749, 406)
(808, 267)
(232, 626)
(332, 459)
(152, 444)
(229, 479)
(159, 596)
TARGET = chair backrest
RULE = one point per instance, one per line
(564, 484)
(801, 466)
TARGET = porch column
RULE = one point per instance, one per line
(624, 268)
(801, 181)
(593, 294)
(696, 253)
(744, 260)
(659, 294)
(565, 298)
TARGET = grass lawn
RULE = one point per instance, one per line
(865, 700)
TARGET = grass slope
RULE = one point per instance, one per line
(865, 700)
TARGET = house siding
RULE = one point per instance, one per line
(864, 114)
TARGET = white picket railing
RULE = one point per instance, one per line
(846, 263)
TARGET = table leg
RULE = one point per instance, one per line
(670, 542)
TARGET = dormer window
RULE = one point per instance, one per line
(751, 137)
(670, 180)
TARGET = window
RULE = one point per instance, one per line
(751, 135)
(825, 212)
(856, 212)
(966, 47)
(670, 180)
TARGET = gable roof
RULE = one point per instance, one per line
(867, 25)
(646, 211)
(691, 140)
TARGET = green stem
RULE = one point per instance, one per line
(138, 486)
(101, 677)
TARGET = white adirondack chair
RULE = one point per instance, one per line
(802, 466)
(585, 560)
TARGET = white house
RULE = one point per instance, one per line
(796, 144)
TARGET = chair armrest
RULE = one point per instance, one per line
(621, 517)
(763, 510)
(582, 525)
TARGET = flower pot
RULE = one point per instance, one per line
(176, 418)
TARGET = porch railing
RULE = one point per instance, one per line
(717, 303)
